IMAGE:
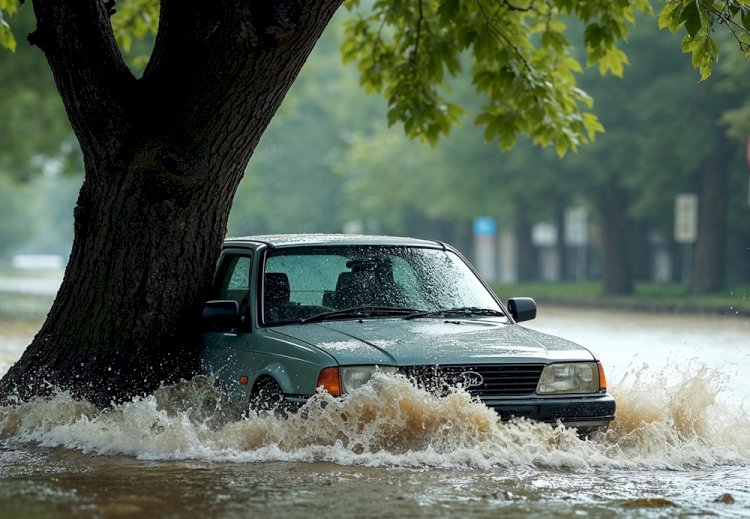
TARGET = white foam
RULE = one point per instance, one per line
(391, 423)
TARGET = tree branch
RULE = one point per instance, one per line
(735, 28)
(514, 7)
(497, 32)
(91, 76)
(420, 20)
(216, 65)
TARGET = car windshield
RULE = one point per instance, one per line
(374, 281)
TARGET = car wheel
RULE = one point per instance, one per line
(591, 433)
(267, 397)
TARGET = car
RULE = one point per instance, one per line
(293, 314)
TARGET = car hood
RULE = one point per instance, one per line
(433, 341)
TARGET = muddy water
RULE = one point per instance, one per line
(680, 441)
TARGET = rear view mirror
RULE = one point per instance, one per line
(222, 314)
(522, 308)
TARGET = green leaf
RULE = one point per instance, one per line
(9, 6)
(691, 17)
(668, 19)
(614, 61)
(592, 125)
(448, 10)
(6, 36)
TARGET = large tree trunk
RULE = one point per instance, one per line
(163, 157)
(616, 271)
(710, 254)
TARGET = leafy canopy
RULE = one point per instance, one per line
(521, 59)
(519, 52)
(699, 17)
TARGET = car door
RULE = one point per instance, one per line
(227, 352)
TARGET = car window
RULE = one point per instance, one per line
(235, 280)
(303, 281)
(406, 280)
(310, 276)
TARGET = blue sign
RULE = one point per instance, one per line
(484, 226)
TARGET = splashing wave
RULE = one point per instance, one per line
(662, 422)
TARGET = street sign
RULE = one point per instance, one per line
(576, 226)
(686, 218)
(484, 226)
(544, 234)
(485, 248)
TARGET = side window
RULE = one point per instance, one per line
(235, 281)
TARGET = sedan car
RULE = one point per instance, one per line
(295, 313)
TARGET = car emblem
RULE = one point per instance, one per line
(471, 379)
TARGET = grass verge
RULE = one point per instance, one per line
(649, 297)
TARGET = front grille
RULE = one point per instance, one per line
(497, 380)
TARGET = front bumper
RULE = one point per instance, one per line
(585, 413)
(595, 411)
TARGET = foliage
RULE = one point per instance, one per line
(289, 184)
(133, 20)
(698, 18)
(36, 135)
(662, 128)
(7, 39)
(522, 62)
(735, 81)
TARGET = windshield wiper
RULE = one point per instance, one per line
(464, 310)
(359, 311)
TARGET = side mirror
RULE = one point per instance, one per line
(522, 308)
(221, 314)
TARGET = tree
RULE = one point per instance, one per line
(164, 153)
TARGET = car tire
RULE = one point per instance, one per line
(591, 433)
(267, 397)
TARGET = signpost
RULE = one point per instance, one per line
(577, 235)
(686, 228)
(544, 236)
(686, 218)
(485, 231)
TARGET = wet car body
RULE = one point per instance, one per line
(292, 313)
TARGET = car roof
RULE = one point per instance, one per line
(295, 240)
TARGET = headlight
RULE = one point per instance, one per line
(354, 377)
(578, 377)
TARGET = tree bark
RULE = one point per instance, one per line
(710, 254)
(163, 157)
(616, 271)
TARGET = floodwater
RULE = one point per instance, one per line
(680, 446)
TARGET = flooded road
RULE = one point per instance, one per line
(681, 441)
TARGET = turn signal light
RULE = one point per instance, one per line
(329, 380)
(602, 378)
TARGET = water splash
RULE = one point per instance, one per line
(663, 421)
